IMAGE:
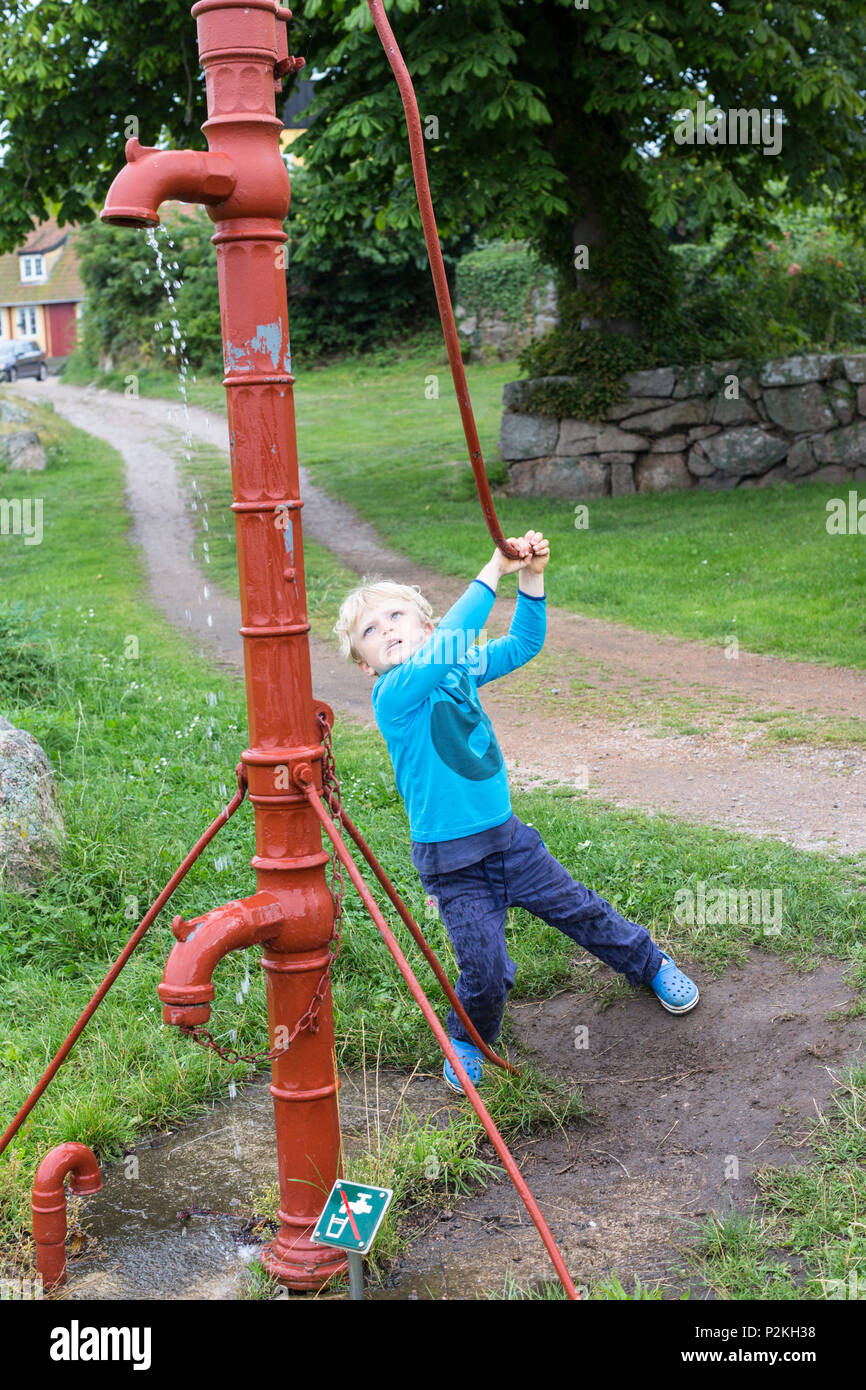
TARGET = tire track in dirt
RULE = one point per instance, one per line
(811, 797)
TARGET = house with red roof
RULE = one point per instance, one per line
(41, 292)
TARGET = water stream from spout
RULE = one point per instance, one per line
(168, 270)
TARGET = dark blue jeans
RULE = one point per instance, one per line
(473, 903)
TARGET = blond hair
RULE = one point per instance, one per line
(363, 597)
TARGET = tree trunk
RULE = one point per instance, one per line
(589, 231)
(627, 284)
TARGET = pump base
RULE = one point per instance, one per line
(305, 1267)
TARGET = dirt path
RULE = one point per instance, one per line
(548, 728)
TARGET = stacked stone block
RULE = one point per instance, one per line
(794, 419)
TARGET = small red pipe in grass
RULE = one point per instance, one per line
(49, 1205)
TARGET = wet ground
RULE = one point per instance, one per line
(686, 1110)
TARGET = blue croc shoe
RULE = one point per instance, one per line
(675, 991)
(471, 1059)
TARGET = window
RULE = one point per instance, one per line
(32, 267)
(25, 322)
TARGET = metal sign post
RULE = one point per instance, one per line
(356, 1275)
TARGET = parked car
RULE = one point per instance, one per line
(21, 357)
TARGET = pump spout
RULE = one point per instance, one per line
(151, 176)
(187, 983)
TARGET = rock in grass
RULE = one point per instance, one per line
(13, 414)
(31, 821)
(22, 450)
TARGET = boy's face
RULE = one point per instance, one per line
(387, 634)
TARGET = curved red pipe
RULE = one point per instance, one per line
(434, 251)
(187, 987)
(49, 1204)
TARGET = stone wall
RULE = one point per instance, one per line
(794, 419)
(491, 329)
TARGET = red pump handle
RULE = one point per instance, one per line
(431, 236)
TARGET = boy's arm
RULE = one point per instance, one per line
(407, 685)
(524, 639)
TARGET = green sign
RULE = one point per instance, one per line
(352, 1216)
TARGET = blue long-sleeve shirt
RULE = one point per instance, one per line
(448, 765)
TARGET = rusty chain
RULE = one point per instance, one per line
(309, 1019)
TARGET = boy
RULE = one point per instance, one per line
(472, 853)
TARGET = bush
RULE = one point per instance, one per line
(197, 305)
(801, 288)
(598, 361)
(124, 298)
(127, 318)
(360, 289)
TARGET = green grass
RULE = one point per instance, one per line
(144, 747)
(806, 1238)
(756, 564)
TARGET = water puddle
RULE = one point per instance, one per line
(172, 1218)
(176, 1217)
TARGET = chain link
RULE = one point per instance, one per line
(309, 1019)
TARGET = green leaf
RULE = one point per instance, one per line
(537, 111)
(359, 18)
